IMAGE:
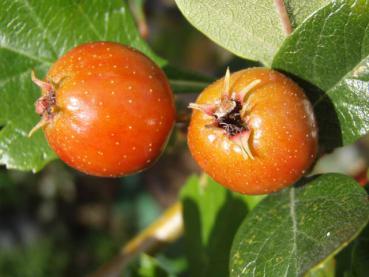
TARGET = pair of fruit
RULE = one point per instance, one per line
(108, 110)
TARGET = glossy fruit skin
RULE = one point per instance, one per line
(114, 109)
(283, 135)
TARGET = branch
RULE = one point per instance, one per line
(168, 228)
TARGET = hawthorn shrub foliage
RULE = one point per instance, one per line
(297, 231)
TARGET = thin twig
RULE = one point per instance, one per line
(283, 16)
(168, 228)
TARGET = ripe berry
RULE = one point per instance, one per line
(107, 109)
(254, 131)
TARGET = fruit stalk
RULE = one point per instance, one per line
(168, 228)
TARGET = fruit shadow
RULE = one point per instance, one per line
(330, 135)
(209, 255)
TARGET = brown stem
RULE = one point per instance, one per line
(283, 16)
(168, 228)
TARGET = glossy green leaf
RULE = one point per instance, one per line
(290, 232)
(33, 34)
(249, 29)
(324, 269)
(331, 51)
(211, 215)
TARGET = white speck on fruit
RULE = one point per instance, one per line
(237, 149)
(129, 87)
(211, 137)
(100, 153)
(101, 103)
(107, 116)
(100, 64)
(86, 92)
(226, 146)
(148, 161)
(74, 104)
(117, 143)
(151, 122)
(113, 92)
(150, 149)
(79, 58)
(134, 148)
(112, 82)
(89, 73)
(150, 90)
(159, 99)
(107, 48)
(125, 156)
(150, 76)
(114, 66)
(130, 127)
(133, 72)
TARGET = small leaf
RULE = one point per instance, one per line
(290, 232)
(331, 51)
(211, 215)
(249, 29)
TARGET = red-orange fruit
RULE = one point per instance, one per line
(253, 131)
(107, 109)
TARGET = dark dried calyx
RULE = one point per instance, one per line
(228, 117)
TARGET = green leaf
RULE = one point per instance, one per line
(211, 215)
(291, 231)
(331, 51)
(249, 29)
(33, 34)
(324, 269)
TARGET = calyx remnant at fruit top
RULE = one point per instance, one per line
(230, 114)
(45, 105)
